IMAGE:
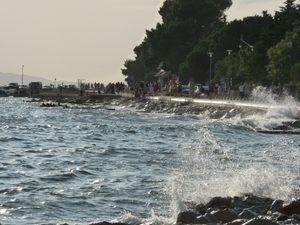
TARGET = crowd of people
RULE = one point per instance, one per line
(111, 88)
(279, 90)
(142, 89)
(276, 91)
(244, 91)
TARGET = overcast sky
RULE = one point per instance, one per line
(84, 39)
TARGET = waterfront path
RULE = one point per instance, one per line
(225, 102)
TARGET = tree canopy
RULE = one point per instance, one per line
(259, 49)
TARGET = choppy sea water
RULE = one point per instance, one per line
(85, 164)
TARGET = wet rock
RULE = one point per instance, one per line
(201, 220)
(217, 114)
(107, 223)
(277, 216)
(237, 222)
(187, 217)
(276, 205)
(291, 221)
(295, 124)
(225, 215)
(291, 208)
(256, 204)
(259, 221)
(201, 209)
(281, 127)
(211, 218)
(296, 217)
(248, 209)
(248, 214)
(219, 202)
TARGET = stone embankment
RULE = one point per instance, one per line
(162, 104)
(214, 108)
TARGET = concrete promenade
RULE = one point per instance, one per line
(235, 103)
(91, 94)
(206, 101)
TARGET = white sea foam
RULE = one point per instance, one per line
(214, 168)
(278, 110)
(128, 218)
(283, 105)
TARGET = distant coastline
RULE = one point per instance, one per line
(6, 78)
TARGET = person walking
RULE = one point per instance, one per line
(241, 91)
(273, 88)
(247, 90)
(211, 89)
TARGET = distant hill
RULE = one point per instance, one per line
(6, 78)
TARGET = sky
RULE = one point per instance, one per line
(69, 40)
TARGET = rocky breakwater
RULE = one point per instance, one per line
(213, 109)
(245, 210)
(180, 108)
(249, 209)
(156, 106)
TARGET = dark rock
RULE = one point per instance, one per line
(219, 202)
(237, 222)
(278, 217)
(248, 214)
(211, 218)
(276, 205)
(201, 209)
(256, 204)
(259, 221)
(295, 124)
(282, 218)
(281, 127)
(187, 217)
(291, 221)
(107, 223)
(217, 114)
(190, 205)
(226, 215)
(290, 208)
(236, 202)
(201, 220)
(296, 217)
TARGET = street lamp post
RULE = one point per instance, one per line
(243, 41)
(228, 64)
(210, 56)
(54, 82)
(22, 73)
(80, 84)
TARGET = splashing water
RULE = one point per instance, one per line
(221, 166)
(287, 105)
(278, 110)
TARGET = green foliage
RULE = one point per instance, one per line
(285, 58)
(295, 75)
(264, 48)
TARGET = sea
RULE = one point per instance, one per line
(85, 164)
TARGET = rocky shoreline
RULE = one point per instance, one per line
(214, 109)
(244, 210)
(148, 105)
